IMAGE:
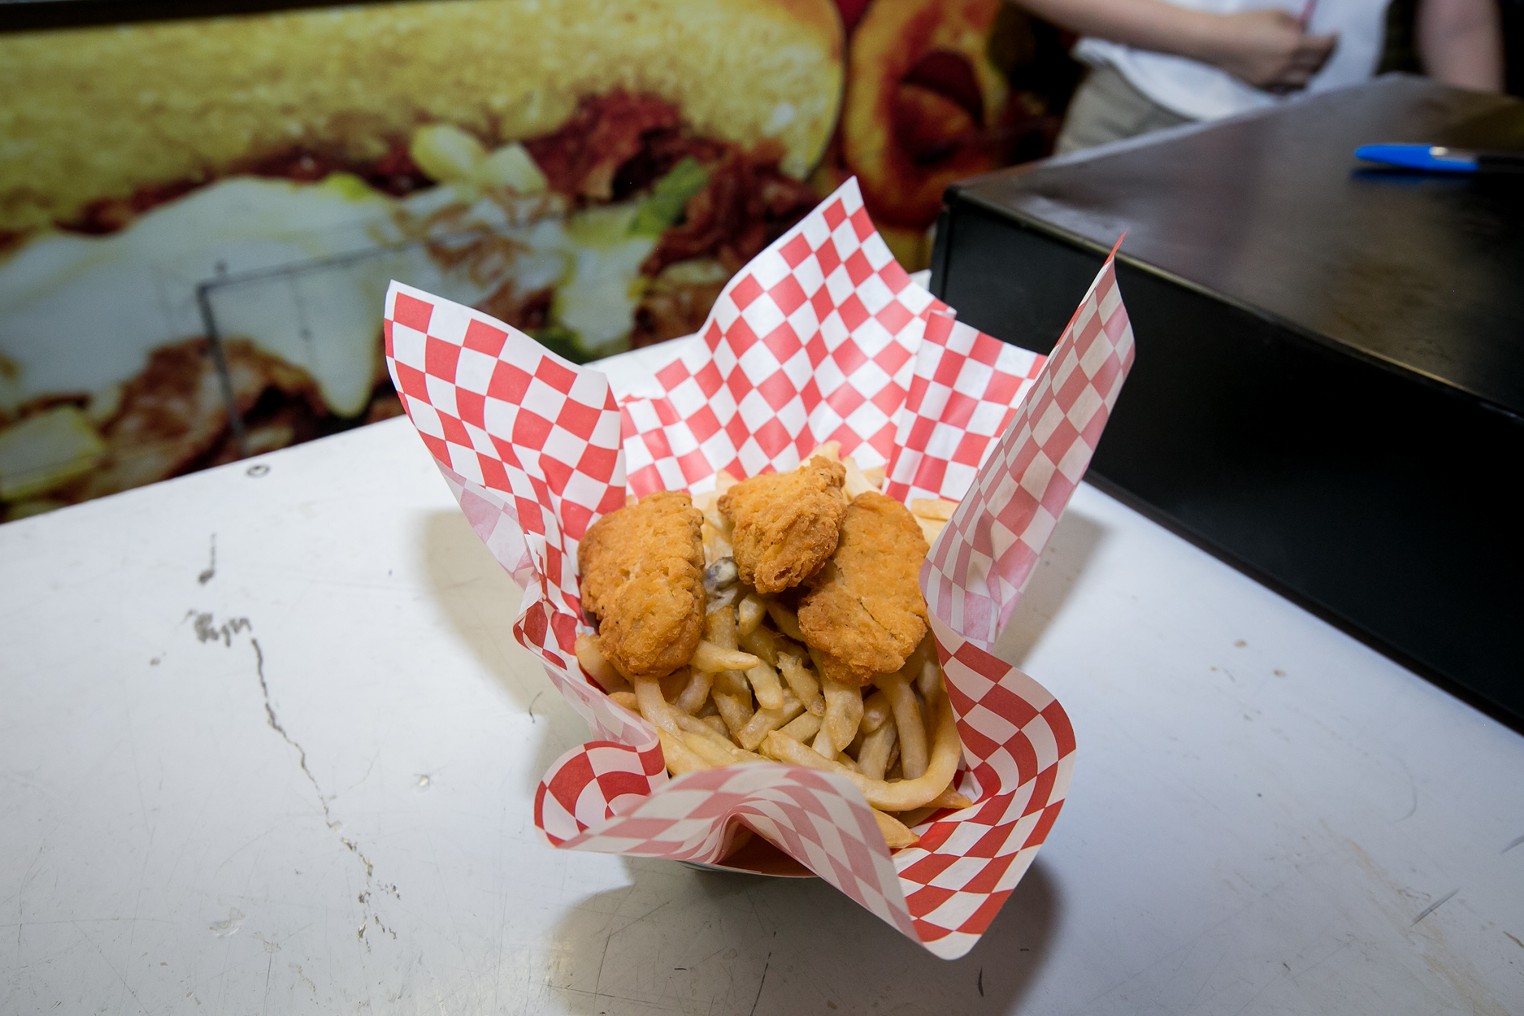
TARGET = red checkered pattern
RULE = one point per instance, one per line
(822, 338)
(983, 558)
(531, 439)
(964, 391)
(816, 340)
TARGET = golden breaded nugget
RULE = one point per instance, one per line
(785, 524)
(642, 581)
(864, 612)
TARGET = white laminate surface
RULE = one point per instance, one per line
(267, 745)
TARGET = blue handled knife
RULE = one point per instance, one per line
(1442, 159)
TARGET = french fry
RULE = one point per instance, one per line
(950, 798)
(695, 691)
(889, 795)
(735, 711)
(801, 682)
(896, 833)
(697, 735)
(711, 656)
(760, 641)
(856, 482)
(679, 757)
(766, 685)
(720, 627)
(908, 720)
(765, 721)
(873, 757)
(749, 615)
(786, 620)
(597, 666)
(801, 727)
(732, 699)
(932, 514)
(827, 450)
(672, 684)
(876, 711)
(937, 508)
(843, 712)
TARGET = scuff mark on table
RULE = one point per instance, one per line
(210, 571)
(1426, 911)
(207, 630)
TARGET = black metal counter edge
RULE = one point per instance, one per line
(1378, 500)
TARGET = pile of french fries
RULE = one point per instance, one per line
(754, 691)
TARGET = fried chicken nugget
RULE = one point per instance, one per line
(642, 581)
(785, 524)
(864, 612)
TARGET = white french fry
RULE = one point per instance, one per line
(909, 722)
(896, 833)
(830, 450)
(749, 614)
(695, 692)
(873, 757)
(694, 732)
(597, 666)
(679, 757)
(889, 795)
(673, 683)
(712, 657)
(720, 627)
(802, 727)
(766, 686)
(760, 642)
(876, 711)
(950, 798)
(802, 682)
(843, 711)
(765, 721)
(938, 509)
(856, 481)
(732, 699)
(786, 620)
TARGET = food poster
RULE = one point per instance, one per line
(199, 217)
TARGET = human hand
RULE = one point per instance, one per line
(1269, 49)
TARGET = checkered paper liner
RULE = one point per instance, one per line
(823, 337)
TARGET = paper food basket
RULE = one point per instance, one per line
(823, 337)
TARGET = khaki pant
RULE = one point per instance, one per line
(1107, 108)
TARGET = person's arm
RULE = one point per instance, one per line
(1461, 42)
(1267, 48)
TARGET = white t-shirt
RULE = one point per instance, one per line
(1203, 92)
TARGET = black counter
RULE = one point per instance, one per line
(1329, 387)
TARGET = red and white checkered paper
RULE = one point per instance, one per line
(822, 337)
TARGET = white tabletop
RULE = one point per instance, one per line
(267, 745)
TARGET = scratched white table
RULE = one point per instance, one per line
(267, 745)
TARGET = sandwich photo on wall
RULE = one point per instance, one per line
(199, 216)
